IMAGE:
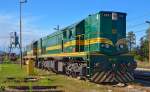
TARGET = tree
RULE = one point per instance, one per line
(131, 40)
(147, 33)
(142, 41)
(143, 50)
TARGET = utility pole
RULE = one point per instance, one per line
(148, 22)
(21, 2)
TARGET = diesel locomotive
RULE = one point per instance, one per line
(94, 48)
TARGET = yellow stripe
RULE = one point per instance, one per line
(54, 47)
(68, 54)
(75, 54)
(98, 40)
(70, 43)
(77, 42)
(73, 43)
(82, 42)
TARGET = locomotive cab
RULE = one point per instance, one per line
(113, 30)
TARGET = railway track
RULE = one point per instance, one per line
(142, 77)
(33, 89)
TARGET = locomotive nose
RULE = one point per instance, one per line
(121, 65)
(107, 49)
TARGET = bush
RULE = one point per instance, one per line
(140, 58)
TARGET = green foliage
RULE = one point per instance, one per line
(138, 57)
(131, 40)
(142, 51)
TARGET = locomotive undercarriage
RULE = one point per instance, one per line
(68, 67)
(119, 72)
(75, 69)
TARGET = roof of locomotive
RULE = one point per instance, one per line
(73, 25)
(112, 12)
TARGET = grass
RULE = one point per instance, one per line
(48, 78)
(11, 70)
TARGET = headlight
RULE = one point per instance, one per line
(121, 46)
(102, 45)
(107, 45)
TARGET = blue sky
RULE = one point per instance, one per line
(41, 16)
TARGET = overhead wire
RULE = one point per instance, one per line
(138, 17)
(130, 20)
(138, 31)
(133, 27)
(136, 25)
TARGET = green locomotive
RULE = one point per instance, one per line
(94, 48)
